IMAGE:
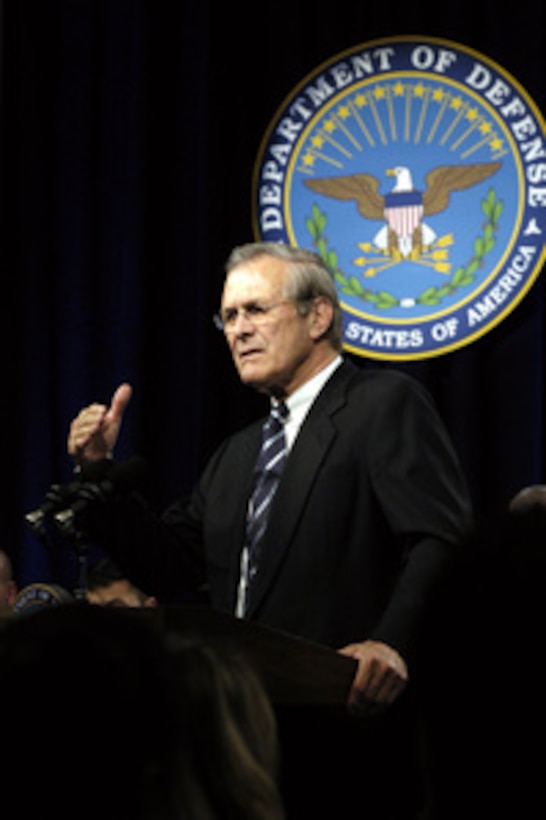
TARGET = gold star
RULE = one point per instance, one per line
(496, 144)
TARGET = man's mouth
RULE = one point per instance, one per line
(244, 355)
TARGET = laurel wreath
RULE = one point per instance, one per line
(464, 275)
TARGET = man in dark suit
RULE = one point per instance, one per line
(371, 505)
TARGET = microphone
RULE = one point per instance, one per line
(56, 498)
(122, 478)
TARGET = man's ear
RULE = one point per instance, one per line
(322, 316)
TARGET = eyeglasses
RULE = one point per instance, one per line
(255, 313)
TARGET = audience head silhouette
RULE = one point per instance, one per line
(233, 755)
(91, 714)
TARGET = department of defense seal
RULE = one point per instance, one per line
(416, 168)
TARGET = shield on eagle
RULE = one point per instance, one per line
(404, 212)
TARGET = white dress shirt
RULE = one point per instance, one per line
(299, 404)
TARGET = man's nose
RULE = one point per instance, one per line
(243, 323)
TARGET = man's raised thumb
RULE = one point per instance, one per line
(120, 400)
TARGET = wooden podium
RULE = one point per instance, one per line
(292, 670)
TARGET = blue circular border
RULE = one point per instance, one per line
(494, 299)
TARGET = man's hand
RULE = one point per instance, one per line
(381, 676)
(95, 430)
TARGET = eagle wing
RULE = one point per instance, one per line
(363, 188)
(444, 179)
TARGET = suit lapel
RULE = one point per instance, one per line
(316, 437)
(235, 502)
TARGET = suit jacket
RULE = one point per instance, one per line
(370, 508)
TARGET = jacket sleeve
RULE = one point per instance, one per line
(163, 554)
(422, 491)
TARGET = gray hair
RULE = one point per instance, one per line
(308, 277)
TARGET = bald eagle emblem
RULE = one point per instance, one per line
(405, 235)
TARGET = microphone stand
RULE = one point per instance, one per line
(37, 520)
(67, 521)
(67, 524)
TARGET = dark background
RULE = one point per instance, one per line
(129, 132)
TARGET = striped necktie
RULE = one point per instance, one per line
(267, 474)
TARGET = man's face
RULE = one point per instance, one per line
(271, 343)
(8, 593)
(118, 594)
(8, 587)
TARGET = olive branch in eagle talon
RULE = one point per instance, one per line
(440, 182)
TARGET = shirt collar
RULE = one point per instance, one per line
(299, 403)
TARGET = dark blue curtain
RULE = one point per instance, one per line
(129, 131)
